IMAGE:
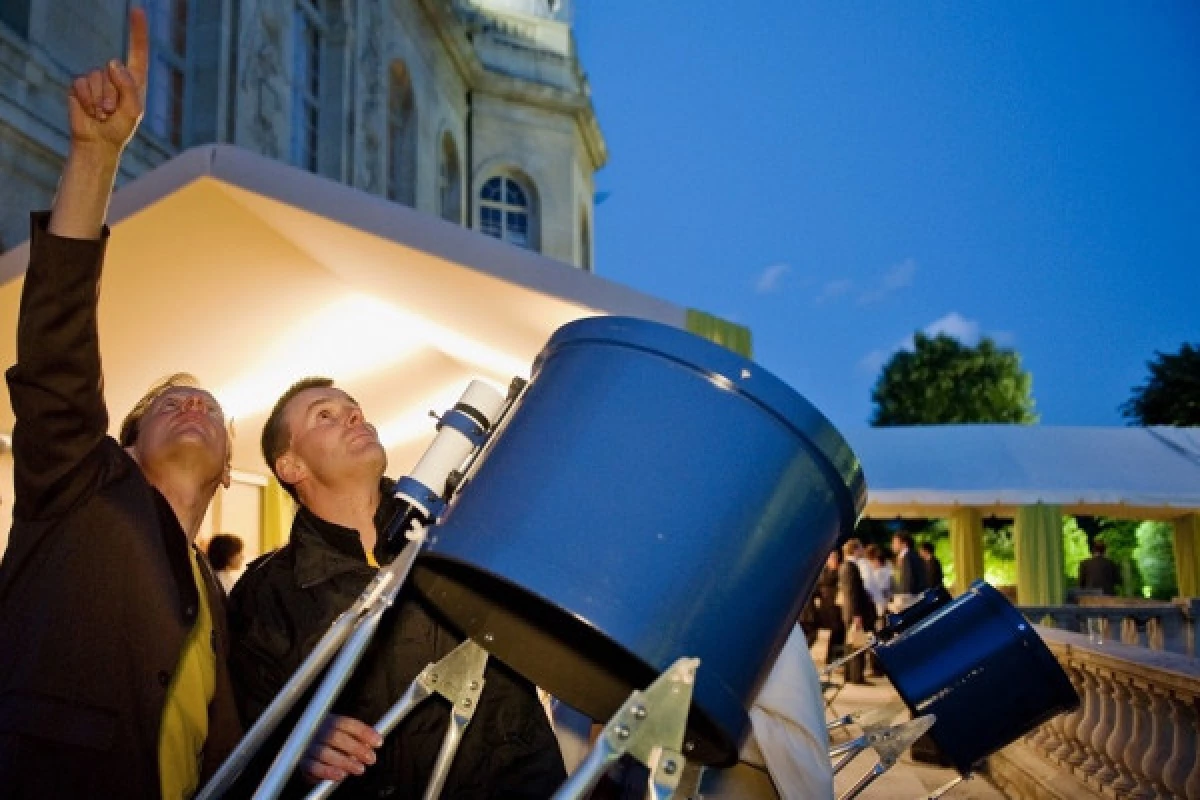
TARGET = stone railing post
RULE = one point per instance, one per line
(1121, 735)
(1105, 688)
(1140, 739)
(1161, 740)
(1183, 750)
(1070, 751)
(1090, 762)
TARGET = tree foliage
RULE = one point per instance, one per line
(942, 381)
(1171, 395)
(1155, 556)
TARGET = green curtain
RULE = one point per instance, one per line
(966, 546)
(277, 512)
(1038, 540)
(1187, 555)
(735, 337)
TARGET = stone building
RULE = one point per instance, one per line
(475, 111)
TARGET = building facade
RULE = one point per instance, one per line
(473, 111)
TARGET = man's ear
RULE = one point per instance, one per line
(290, 469)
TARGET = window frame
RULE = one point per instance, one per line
(508, 210)
(304, 140)
(172, 62)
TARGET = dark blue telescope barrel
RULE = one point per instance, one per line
(651, 495)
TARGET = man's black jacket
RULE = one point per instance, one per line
(96, 589)
(287, 600)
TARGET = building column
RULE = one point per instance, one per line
(1038, 538)
(966, 547)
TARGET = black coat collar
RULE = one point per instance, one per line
(325, 549)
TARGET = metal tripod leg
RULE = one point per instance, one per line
(945, 787)
(459, 678)
(889, 744)
(650, 727)
(829, 668)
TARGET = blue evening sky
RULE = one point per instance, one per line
(838, 175)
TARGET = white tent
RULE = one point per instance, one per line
(929, 471)
(250, 274)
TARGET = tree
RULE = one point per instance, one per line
(942, 381)
(1171, 395)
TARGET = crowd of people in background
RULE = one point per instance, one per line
(858, 587)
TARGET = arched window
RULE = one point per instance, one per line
(585, 242)
(449, 181)
(402, 138)
(506, 211)
(167, 81)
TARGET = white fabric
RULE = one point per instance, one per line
(788, 730)
(981, 465)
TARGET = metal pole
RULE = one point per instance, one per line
(288, 696)
(339, 673)
(407, 702)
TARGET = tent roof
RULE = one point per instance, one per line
(250, 274)
(927, 471)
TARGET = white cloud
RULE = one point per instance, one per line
(898, 276)
(768, 280)
(834, 289)
(954, 324)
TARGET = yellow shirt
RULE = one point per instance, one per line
(185, 716)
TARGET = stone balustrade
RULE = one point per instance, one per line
(1134, 734)
(1160, 626)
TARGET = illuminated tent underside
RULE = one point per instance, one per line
(250, 274)
(929, 471)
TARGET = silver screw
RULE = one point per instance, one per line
(689, 746)
(466, 702)
(474, 685)
(622, 732)
(669, 768)
(433, 678)
(639, 712)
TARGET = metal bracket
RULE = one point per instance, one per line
(650, 726)
(458, 677)
(888, 743)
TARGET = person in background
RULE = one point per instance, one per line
(829, 613)
(226, 555)
(910, 571)
(935, 578)
(1099, 571)
(880, 584)
(858, 610)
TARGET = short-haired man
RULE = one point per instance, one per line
(323, 451)
(1099, 571)
(112, 630)
(910, 572)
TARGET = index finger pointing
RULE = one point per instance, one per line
(138, 60)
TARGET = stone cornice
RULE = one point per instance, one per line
(456, 36)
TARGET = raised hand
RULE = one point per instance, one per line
(106, 104)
